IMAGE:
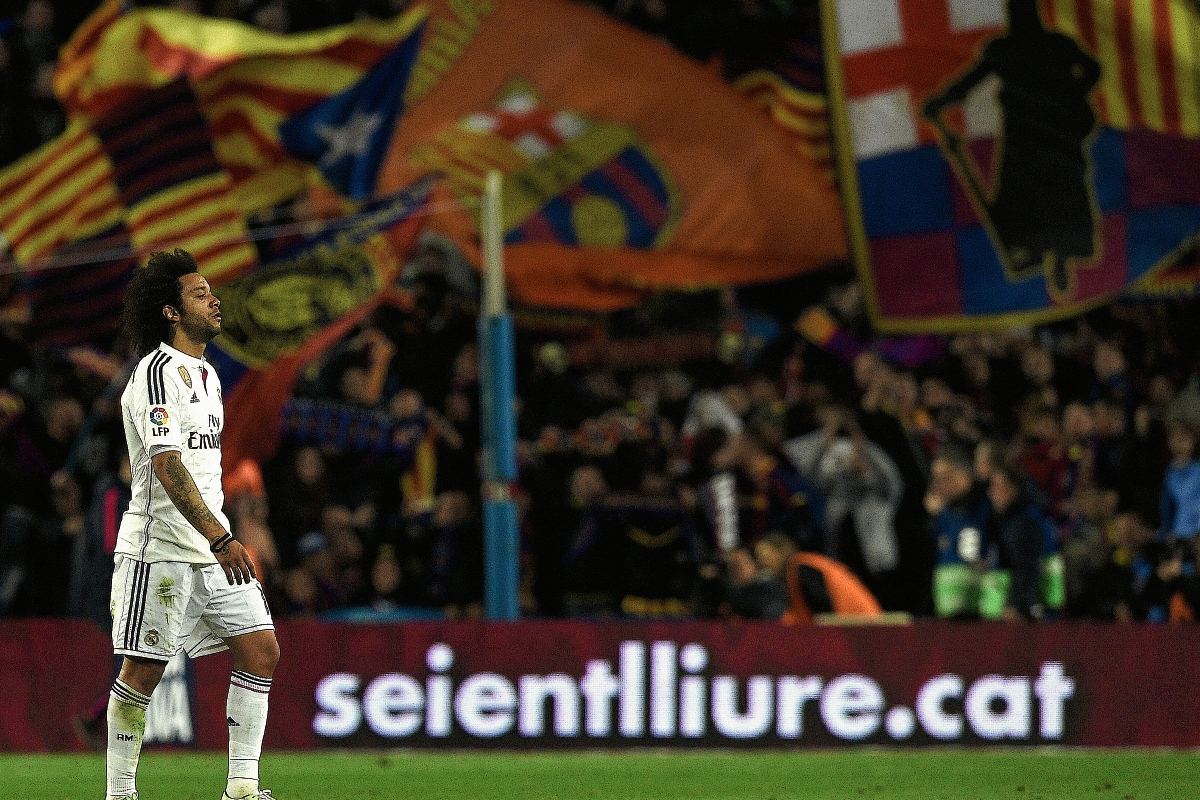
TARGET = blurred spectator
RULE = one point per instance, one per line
(272, 16)
(349, 578)
(298, 497)
(1020, 533)
(35, 552)
(386, 579)
(775, 497)
(862, 489)
(1181, 487)
(92, 551)
(452, 538)
(313, 586)
(657, 552)
(1110, 591)
(753, 592)
(247, 509)
(1087, 547)
(1111, 380)
(590, 563)
(959, 513)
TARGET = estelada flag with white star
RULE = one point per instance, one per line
(1013, 161)
(246, 81)
(346, 135)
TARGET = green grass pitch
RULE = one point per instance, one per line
(655, 775)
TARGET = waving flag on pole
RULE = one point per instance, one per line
(175, 192)
(60, 193)
(246, 81)
(627, 166)
(347, 135)
(1013, 161)
(286, 313)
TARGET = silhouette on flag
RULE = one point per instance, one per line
(1010, 161)
(347, 135)
(628, 167)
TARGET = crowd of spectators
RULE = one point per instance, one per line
(1033, 473)
(706, 454)
(675, 461)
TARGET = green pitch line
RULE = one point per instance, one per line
(721, 775)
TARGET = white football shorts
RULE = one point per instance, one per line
(163, 607)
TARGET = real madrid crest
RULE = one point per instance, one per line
(151, 638)
(187, 378)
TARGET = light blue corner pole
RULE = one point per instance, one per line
(498, 418)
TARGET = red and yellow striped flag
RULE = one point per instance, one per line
(174, 191)
(246, 81)
(1150, 52)
(60, 193)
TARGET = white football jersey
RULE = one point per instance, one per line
(172, 402)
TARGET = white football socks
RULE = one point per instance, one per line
(126, 725)
(246, 715)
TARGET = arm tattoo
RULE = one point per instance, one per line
(184, 494)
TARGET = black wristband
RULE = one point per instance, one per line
(222, 543)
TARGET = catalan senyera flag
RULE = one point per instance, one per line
(62, 192)
(174, 192)
(246, 81)
(627, 166)
(1013, 161)
(146, 166)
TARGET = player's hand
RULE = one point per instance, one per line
(234, 559)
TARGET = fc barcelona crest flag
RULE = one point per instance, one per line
(573, 180)
(627, 166)
(1013, 161)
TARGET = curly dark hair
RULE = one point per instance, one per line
(152, 287)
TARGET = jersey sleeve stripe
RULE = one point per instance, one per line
(152, 384)
(158, 378)
(151, 388)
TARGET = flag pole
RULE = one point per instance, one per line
(497, 395)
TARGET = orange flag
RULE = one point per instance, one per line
(627, 166)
